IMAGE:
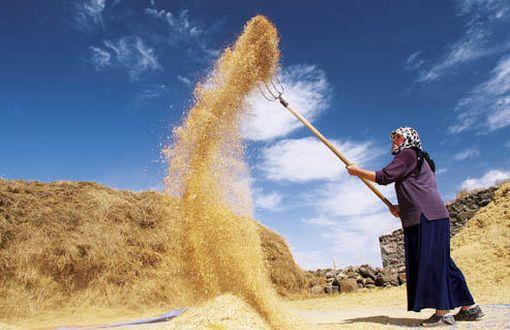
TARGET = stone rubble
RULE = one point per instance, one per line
(352, 278)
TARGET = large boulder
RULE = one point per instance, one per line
(367, 272)
(348, 285)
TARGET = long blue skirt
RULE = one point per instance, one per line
(433, 279)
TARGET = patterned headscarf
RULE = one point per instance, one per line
(412, 139)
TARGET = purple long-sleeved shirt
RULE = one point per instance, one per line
(415, 194)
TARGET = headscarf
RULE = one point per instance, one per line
(412, 139)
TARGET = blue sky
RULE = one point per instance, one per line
(89, 90)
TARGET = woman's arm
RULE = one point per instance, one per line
(357, 171)
(370, 175)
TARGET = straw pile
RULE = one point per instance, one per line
(78, 244)
(482, 247)
(207, 170)
(83, 244)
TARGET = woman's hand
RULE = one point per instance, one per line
(395, 210)
(353, 170)
(358, 171)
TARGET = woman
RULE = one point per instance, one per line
(433, 279)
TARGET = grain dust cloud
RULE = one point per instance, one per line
(208, 171)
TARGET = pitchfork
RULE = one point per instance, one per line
(275, 90)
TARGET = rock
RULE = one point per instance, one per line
(466, 215)
(335, 289)
(370, 286)
(348, 285)
(386, 277)
(401, 278)
(369, 281)
(328, 289)
(367, 272)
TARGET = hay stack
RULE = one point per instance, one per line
(482, 247)
(82, 244)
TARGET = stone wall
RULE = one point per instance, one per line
(461, 210)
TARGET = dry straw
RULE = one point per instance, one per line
(207, 169)
(482, 248)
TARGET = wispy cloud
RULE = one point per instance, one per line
(88, 14)
(179, 23)
(128, 53)
(311, 259)
(183, 30)
(307, 90)
(466, 154)
(490, 178)
(185, 80)
(320, 221)
(355, 240)
(100, 58)
(267, 201)
(348, 197)
(481, 18)
(413, 62)
(487, 107)
(308, 159)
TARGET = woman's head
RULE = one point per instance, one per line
(403, 138)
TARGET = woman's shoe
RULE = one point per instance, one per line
(472, 314)
(437, 320)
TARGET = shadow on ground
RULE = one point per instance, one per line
(386, 320)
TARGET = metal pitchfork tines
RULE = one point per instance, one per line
(275, 90)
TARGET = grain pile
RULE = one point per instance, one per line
(482, 248)
(207, 170)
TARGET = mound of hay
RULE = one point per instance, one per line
(482, 248)
(83, 244)
(287, 277)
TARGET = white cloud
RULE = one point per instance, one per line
(466, 154)
(271, 201)
(100, 58)
(355, 240)
(487, 107)
(186, 81)
(481, 19)
(319, 221)
(413, 62)
(128, 53)
(308, 159)
(349, 197)
(88, 14)
(441, 171)
(306, 89)
(180, 23)
(311, 259)
(488, 179)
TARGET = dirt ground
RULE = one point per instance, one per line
(385, 309)
(380, 308)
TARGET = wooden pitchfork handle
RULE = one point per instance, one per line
(335, 150)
